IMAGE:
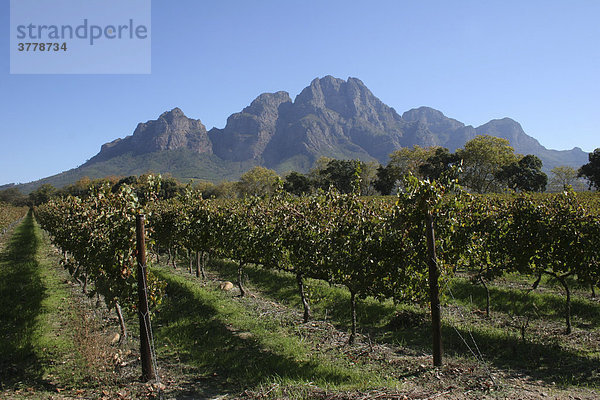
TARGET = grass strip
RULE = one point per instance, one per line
(37, 351)
(545, 354)
(224, 337)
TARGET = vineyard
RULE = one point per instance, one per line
(9, 215)
(365, 266)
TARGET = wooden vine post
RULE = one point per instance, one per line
(434, 292)
(148, 372)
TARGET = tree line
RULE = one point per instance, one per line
(488, 164)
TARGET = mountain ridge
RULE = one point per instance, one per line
(330, 117)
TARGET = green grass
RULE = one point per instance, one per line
(35, 350)
(223, 336)
(327, 302)
(546, 353)
(550, 305)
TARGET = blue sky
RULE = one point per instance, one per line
(537, 62)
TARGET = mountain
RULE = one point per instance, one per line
(171, 131)
(453, 134)
(335, 118)
(331, 117)
(247, 133)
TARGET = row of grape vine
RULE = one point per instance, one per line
(372, 246)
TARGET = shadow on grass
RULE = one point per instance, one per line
(546, 362)
(519, 302)
(504, 349)
(275, 284)
(21, 294)
(326, 302)
(199, 325)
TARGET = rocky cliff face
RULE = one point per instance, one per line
(331, 117)
(336, 118)
(247, 133)
(171, 131)
(439, 129)
(312, 124)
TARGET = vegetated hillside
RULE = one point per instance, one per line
(331, 117)
(183, 164)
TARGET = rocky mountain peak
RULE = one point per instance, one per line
(267, 104)
(511, 130)
(505, 127)
(331, 117)
(172, 130)
(174, 118)
(507, 122)
(331, 93)
(425, 115)
(350, 99)
(174, 113)
(335, 118)
(247, 133)
(435, 119)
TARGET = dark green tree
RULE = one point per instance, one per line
(591, 170)
(525, 175)
(297, 183)
(341, 174)
(439, 163)
(42, 194)
(81, 188)
(170, 188)
(13, 196)
(128, 180)
(386, 180)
